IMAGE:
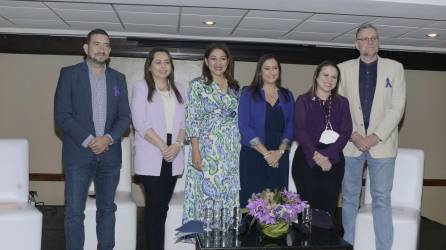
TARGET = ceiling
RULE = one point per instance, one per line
(403, 24)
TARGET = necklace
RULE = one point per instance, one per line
(271, 95)
(222, 85)
(165, 93)
(326, 107)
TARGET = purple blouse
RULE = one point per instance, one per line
(309, 123)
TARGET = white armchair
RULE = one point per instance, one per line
(20, 223)
(406, 204)
(175, 214)
(291, 184)
(125, 229)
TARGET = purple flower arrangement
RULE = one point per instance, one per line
(272, 207)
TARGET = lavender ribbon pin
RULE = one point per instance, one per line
(116, 91)
(388, 84)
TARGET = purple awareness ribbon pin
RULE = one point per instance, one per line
(116, 91)
(388, 84)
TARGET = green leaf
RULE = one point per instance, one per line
(275, 230)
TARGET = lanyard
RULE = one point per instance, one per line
(326, 109)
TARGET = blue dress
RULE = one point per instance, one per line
(255, 174)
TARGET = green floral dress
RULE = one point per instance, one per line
(211, 116)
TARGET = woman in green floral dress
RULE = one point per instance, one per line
(211, 125)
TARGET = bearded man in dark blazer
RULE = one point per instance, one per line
(91, 106)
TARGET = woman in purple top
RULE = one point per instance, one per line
(266, 128)
(158, 112)
(322, 127)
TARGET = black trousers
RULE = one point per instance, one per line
(321, 189)
(158, 191)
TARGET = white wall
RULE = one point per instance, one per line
(28, 82)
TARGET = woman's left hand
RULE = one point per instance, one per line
(322, 161)
(325, 165)
(275, 158)
(171, 152)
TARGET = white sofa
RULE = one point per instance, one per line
(406, 204)
(125, 228)
(20, 223)
(291, 184)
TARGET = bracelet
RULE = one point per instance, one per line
(180, 143)
(281, 151)
(266, 155)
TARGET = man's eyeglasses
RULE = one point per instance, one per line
(368, 39)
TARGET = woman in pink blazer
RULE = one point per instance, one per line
(158, 111)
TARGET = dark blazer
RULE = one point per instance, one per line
(251, 115)
(73, 113)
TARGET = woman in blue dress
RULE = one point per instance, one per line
(211, 125)
(266, 129)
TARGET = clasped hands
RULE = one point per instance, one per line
(170, 152)
(364, 143)
(272, 157)
(322, 161)
(99, 144)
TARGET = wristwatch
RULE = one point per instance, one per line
(180, 143)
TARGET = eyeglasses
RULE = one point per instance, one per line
(368, 39)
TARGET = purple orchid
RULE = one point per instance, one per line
(269, 210)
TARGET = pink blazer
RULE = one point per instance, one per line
(145, 115)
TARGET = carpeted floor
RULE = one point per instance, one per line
(432, 234)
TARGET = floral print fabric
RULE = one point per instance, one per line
(211, 117)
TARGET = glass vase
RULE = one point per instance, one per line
(276, 230)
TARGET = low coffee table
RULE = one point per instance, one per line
(318, 238)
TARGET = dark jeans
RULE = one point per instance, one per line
(158, 191)
(77, 181)
(319, 188)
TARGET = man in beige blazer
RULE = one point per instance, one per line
(376, 90)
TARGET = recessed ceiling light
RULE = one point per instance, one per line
(432, 35)
(209, 23)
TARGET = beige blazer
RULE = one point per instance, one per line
(387, 108)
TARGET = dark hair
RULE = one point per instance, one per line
(326, 63)
(229, 73)
(96, 32)
(149, 78)
(257, 82)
